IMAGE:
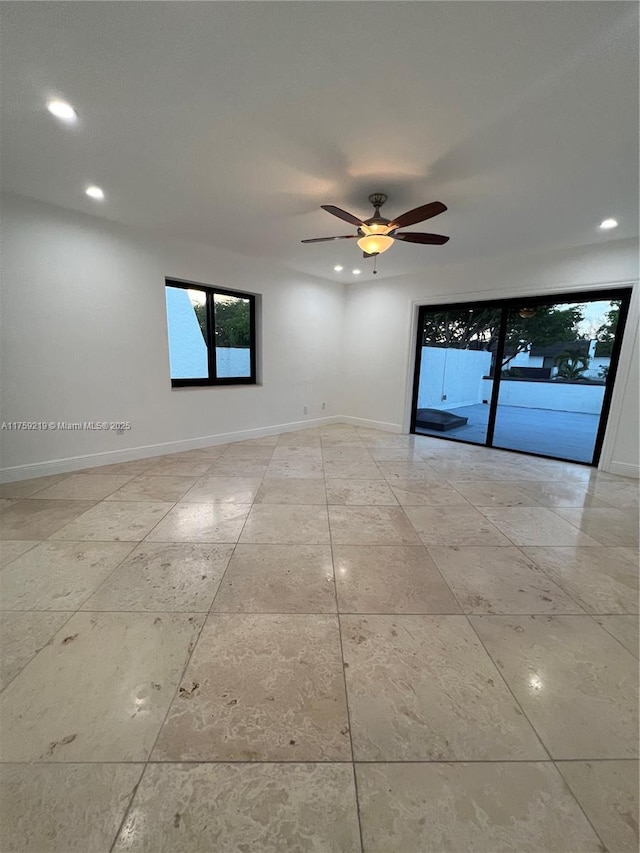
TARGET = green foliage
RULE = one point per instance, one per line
(231, 322)
(201, 314)
(478, 329)
(571, 365)
(606, 334)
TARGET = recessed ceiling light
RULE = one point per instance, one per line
(95, 192)
(356, 272)
(338, 268)
(607, 224)
(62, 110)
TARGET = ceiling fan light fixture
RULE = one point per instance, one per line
(375, 244)
(369, 228)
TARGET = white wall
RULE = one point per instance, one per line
(381, 328)
(555, 396)
(453, 373)
(84, 337)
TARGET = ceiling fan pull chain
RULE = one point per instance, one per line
(375, 271)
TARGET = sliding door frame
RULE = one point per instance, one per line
(623, 293)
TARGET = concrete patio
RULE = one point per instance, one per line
(567, 435)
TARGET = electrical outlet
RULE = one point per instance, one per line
(305, 410)
(324, 405)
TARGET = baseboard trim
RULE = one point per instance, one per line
(363, 422)
(623, 469)
(109, 457)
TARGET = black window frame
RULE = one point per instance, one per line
(210, 292)
(623, 293)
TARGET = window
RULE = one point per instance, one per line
(212, 335)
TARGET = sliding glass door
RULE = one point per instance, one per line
(455, 372)
(533, 375)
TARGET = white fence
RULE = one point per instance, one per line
(458, 377)
(455, 374)
(558, 396)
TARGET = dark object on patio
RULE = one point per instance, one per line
(438, 420)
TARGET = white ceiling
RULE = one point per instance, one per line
(231, 123)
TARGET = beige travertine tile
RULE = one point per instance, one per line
(85, 487)
(64, 808)
(370, 525)
(58, 575)
(500, 580)
(286, 525)
(608, 793)
(240, 490)
(470, 469)
(208, 522)
(268, 808)
(99, 691)
(424, 493)
(533, 525)
(231, 466)
(352, 469)
(423, 688)
(608, 526)
(137, 466)
(200, 454)
(576, 684)
(174, 576)
(624, 494)
(602, 580)
(174, 467)
(35, 519)
(22, 635)
(453, 526)
(351, 453)
(624, 629)
(390, 579)
(492, 493)
(307, 469)
(26, 488)
(360, 493)
(249, 451)
(146, 487)
(550, 493)
(10, 550)
(261, 688)
(300, 438)
(278, 579)
(290, 490)
(394, 454)
(410, 471)
(470, 808)
(297, 455)
(122, 521)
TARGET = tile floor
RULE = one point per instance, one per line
(332, 640)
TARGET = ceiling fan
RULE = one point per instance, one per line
(377, 234)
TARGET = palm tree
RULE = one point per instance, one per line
(571, 365)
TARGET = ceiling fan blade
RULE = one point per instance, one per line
(324, 239)
(419, 214)
(417, 237)
(342, 214)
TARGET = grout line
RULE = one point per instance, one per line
(189, 657)
(503, 677)
(324, 446)
(579, 804)
(347, 762)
